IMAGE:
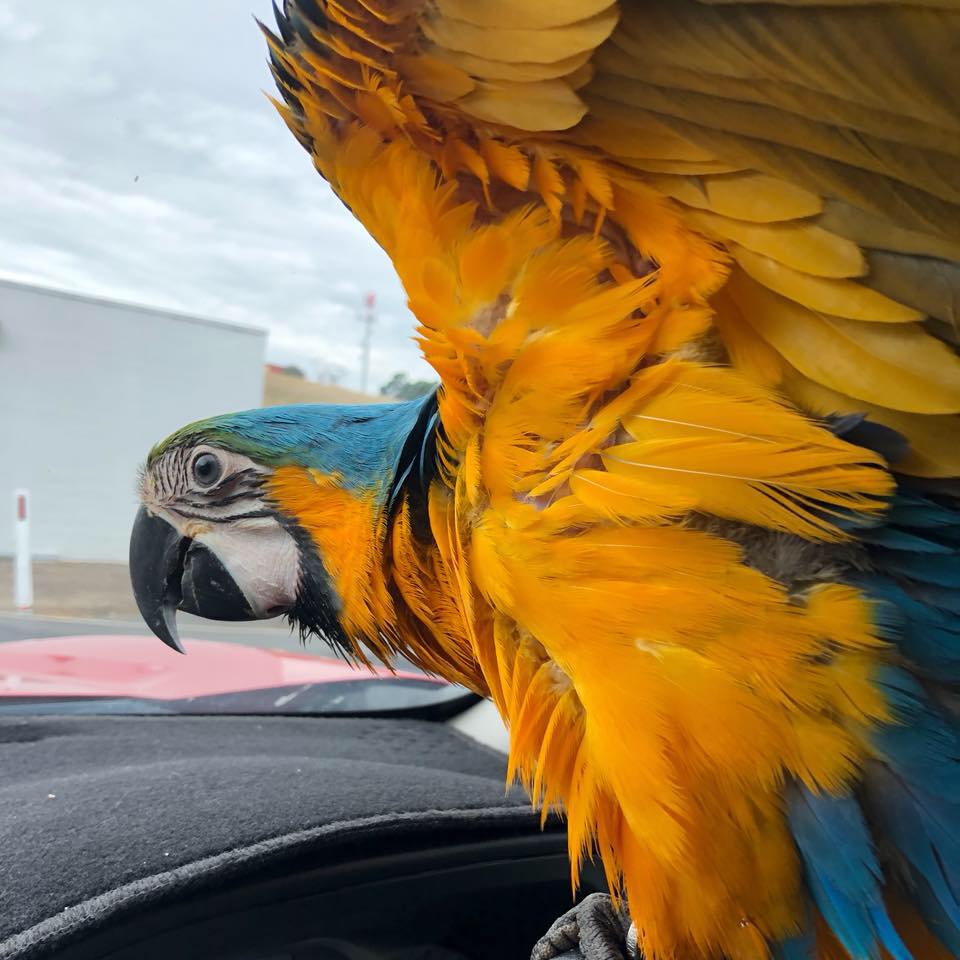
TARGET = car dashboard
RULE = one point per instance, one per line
(268, 838)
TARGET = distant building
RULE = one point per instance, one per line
(86, 387)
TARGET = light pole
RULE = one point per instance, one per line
(368, 318)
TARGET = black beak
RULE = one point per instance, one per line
(170, 572)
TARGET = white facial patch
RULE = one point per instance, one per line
(262, 558)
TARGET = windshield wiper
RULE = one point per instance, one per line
(402, 698)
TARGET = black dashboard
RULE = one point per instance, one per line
(267, 838)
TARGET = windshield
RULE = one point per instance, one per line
(167, 253)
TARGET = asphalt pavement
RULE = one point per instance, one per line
(272, 634)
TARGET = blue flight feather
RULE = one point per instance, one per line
(921, 513)
(800, 947)
(928, 637)
(843, 873)
(914, 797)
(903, 822)
(922, 744)
(939, 570)
(895, 539)
(941, 926)
(937, 597)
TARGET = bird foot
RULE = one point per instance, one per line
(592, 930)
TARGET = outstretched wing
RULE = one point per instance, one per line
(638, 239)
(819, 146)
(835, 132)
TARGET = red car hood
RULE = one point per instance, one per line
(142, 667)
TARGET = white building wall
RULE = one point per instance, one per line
(87, 386)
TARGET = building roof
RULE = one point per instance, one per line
(128, 305)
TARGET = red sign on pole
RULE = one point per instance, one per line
(21, 507)
(370, 299)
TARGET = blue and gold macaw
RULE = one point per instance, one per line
(685, 505)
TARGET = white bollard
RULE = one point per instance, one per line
(22, 562)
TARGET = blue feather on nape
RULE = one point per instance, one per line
(842, 872)
(416, 464)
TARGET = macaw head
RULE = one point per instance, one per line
(282, 510)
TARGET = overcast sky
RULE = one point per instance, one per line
(139, 159)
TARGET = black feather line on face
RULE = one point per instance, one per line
(229, 518)
(248, 492)
(316, 612)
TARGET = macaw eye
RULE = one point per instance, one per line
(207, 470)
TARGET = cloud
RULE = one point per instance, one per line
(140, 160)
(17, 29)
